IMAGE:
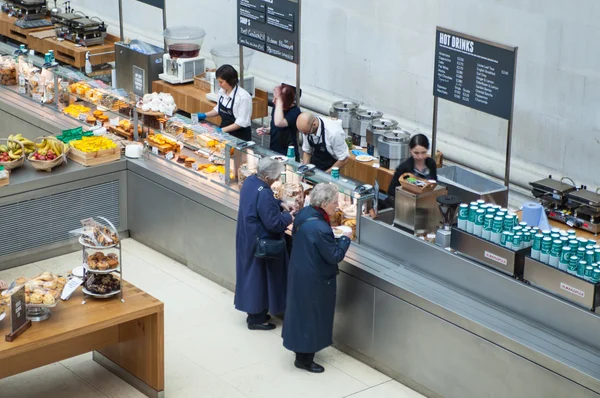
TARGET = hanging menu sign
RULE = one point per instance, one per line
(271, 27)
(474, 73)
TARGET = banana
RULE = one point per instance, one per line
(42, 144)
(18, 152)
(3, 148)
(13, 156)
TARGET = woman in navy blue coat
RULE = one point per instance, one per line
(308, 325)
(260, 284)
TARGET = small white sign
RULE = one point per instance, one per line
(169, 155)
(194, 118)
(195, 166)
(496, 258)
(82, 117)
(572, 290)
(155, 150)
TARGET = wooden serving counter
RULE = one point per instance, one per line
(9, 29)
(126, 337)
(70, 53)
(192, 100)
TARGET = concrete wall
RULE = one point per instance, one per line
(380, 52)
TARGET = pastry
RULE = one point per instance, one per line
(36, 298)
(98, 113)
(27, 299)
(90, 120)
(21, 281)
(39, 291)
(46, 276)
(189, 162)
(48, 299)
(103, 118)
(54, 293)
(50, 285)
(181, 159)
(60, 281)
(103, 265)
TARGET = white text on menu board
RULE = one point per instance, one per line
(484, 85)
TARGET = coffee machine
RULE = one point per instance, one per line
(448, 205)
(183, 60)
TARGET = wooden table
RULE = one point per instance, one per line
(9, 29)
(192, 100)
(69, 53)
(126, 337)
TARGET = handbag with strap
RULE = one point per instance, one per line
(269, 249)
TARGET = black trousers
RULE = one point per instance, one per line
(305, 358)
(258, 319)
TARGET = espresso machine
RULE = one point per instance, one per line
(448, 205)
(417, 213)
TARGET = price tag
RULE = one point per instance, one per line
(194, 118)
(37, 97)
(169, 113)
(82, 117)
(155, 150)
(195, 166)
(18, 315)
(114, 121)
(99, 123)
(169, 155)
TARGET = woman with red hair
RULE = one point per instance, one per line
(283, 130)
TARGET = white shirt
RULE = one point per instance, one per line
(335, 139)
(242, 107)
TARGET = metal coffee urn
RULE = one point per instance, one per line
(393, 148)
(359, 124)
(376, 128)
(344, 110)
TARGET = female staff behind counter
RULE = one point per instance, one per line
(234, 105)
(419, 164)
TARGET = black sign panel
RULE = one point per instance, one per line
(474, 73)
(270, 26)
(155, 3)
(18, 314)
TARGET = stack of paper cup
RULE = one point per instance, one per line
(463, 216)
(471, 220)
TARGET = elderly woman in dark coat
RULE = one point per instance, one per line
(308, 325)
(260, 284)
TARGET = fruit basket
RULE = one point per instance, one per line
(12, 153)
(49, 153)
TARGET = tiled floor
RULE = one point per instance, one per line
(209, 352)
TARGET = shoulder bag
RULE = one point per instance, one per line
(268, 249)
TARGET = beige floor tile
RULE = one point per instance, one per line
(223, 343)
(278, 377)
(106, 382)
(390, 389)
(145, 276)
(11, 274)
(71, 363)
(351, 366)
(184, 378)
(52, 381)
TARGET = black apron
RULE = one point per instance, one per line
(321, 158)
(228, 118)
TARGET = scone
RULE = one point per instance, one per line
(61, 281)
(50, 285)
(49, 299)
(36, 298)
(46, 276)
(21, 281)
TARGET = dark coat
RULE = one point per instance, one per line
(308, 324)
(260, 284)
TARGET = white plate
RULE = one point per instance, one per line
(364, 158)
(107, 295)
(78, 271)
(279, 158)
(337, 233)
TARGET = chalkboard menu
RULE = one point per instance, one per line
(271, 27)
(474, 73)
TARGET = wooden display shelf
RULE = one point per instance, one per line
(121, 133)
(9, 29)
(126, 336)
(94, 158)
(192, 100)
(69, 53)
(4, 181)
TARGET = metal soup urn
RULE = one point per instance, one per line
(376, 128)
(393, 148)
(344, 110)
(359, 124)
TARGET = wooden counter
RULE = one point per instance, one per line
(128, 338)
(9, 29)
(68, 52)
(192, 100)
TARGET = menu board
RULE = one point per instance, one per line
(474, 73)
(271, 27)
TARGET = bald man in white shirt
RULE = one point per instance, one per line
(325, 142)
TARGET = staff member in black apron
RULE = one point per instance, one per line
(234, 105)
(325, 142)
(283, 130)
